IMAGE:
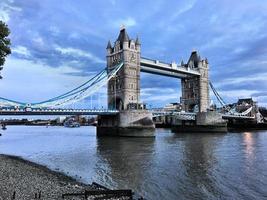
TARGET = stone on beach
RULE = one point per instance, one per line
(28, 179)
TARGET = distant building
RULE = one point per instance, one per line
(166, 120)
(61, 119)
(173, 107)
(246, 103)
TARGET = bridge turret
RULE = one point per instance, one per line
(109, 47)
(138, 44)
(195, 89)
(124, 89)
(123, 38)
(194, 59)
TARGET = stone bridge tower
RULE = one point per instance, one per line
(195, 90)
(124, 89)
(124, 92)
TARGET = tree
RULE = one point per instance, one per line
(4, 44)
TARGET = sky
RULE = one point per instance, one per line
(58, 45)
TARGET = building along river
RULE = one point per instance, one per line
(169, 166)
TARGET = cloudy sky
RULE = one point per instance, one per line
(57, 45)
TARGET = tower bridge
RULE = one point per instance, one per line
(124, 89)
(126, 115)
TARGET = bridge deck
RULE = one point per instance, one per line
(166, 69)
(155, 112)
(237, 117)
(58, 112)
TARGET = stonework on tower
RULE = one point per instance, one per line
(124, 88)
(195, 90)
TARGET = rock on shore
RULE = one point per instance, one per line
(27, 179)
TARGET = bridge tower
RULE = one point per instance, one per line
(195, 90)
(124, 92)
(124, 89)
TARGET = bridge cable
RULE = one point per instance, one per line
(219, 98)
(75, 94)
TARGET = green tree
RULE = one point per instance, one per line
(4, 44)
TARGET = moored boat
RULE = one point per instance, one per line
(71, 123)
(3, 126)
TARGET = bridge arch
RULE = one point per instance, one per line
(116, 103)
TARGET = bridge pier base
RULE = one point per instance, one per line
(128, 123)
(206, 122)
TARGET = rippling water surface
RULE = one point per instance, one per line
(170, 166)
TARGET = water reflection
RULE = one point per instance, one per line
(170, 166)
(249, 145)
(199, 162)
(124, 159)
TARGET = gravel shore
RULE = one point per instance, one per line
(27, 179)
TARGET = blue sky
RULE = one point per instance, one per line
(58, 45)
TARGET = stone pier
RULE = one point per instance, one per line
(206, 122)
(127, 123)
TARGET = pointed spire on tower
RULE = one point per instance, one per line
(137, 42)
(109, 45)
(194, 58)
(123, 36)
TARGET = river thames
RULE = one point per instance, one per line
(169, 166)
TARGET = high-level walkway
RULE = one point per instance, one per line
(166, 69)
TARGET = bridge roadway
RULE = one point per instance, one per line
(236, 116)
(187, 116)
(38, 111)
(42, 111)
(166, 69)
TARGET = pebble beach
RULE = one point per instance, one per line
(22, 179)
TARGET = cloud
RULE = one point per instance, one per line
(28, 81)
(78, 53)
(127, 22)
(21, 50)
(259, 77)
(54, 30)
(231, 96)
(6, 9)
(235, 94)
(38, 41)
(183, 9)
(260, 94)
(153, 97)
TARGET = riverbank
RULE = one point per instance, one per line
(22, 179)
(27, 179)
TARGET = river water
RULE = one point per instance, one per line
(169, 166)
